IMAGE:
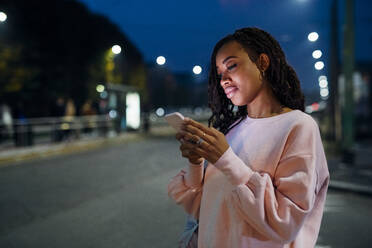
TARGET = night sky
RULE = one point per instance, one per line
(186, 31)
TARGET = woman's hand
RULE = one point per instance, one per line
(202, 141)
(186, 149)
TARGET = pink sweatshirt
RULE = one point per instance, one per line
(267, 190)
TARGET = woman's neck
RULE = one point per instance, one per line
(265, 105)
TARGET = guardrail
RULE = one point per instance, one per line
(28, 132)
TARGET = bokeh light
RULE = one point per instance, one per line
(100, 88)
(116, 49)
(319, 65)
(197, 69)
(317, 54)
(313, 36)
(160, 60)
(2, 16)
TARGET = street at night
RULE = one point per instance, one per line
(116, 196)
(93, 92)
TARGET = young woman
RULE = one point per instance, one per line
(266, 180)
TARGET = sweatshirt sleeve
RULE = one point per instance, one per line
(277, 206)
(186, 188)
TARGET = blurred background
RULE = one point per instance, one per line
(85, 153)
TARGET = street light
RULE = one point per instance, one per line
(324, 92)
(160, 60)
(317, 54)
(116, 49)
(100, 88)
(319, 65)
(323, 83)
(313, 36)
(322, 77)
(197, 69)
(160, 112)
(2, 16)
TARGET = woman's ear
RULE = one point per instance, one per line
(263, 62)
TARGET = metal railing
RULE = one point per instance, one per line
(27, 132)
(45, 130)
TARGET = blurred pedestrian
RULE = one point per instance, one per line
(266, 177)
(6, 122)
(58, 111)
(88, 112)
(68, 118)
(70, 110)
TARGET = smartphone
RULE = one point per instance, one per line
(175, 120)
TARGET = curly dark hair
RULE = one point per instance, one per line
(282, 78)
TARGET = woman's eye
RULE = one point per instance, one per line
(231, 67)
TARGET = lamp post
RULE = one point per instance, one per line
(348, 69)
(334, 109)
(110, 64)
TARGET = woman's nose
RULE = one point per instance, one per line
(225, 79)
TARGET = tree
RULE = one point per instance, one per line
(58, 50)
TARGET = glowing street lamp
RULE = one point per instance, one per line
(160, 60)
(116, 49)
(317, 54)
(313, 36)
(323, 83)
(322, 77)
(160, 112)
(2, 16)
(319, 65)
(324, 92)
(100, 88)
(197, 69)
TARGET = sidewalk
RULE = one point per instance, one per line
(355, 178)
(18, 154)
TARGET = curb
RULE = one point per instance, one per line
(65, 148)
(351, 187)
(49, 150)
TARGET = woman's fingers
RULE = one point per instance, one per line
(186, 136)
(185, 153)
(202, 141)
(186, 146)
(197, 133)
(179, 136)
(198, 125)
(201, 149)
(188, 151)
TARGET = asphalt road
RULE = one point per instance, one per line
(116, 197)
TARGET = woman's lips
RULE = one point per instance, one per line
(230, 91)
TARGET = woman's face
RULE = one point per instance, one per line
(240, 77)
